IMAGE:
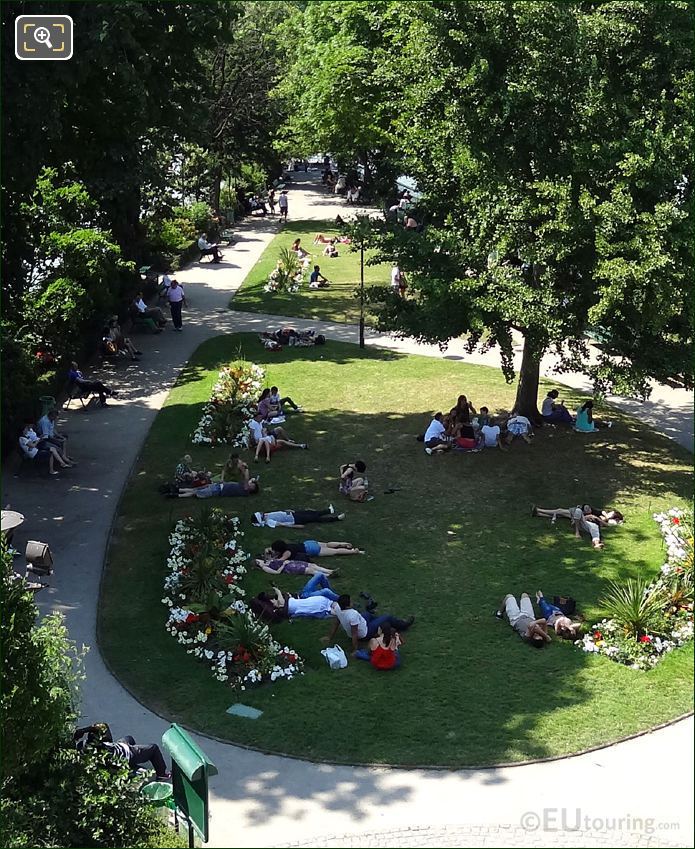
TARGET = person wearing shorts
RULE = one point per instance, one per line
(282, 550)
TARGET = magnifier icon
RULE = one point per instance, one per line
(43, 36)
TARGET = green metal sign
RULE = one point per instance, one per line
(190, 770)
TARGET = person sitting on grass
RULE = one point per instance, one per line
(187, 477)
(352, 482)
(40, 449)
(523, 620)
(360, 625)
(277, 403)
(555, 618)
(383, 652)
(585, 421)
(491, 435)
(124, 749)
(242, 489)
(291, 567)
(295, 518)
(269, 442)
(75, 376)
(482, 419)
(436, 439)
(282, 550)
(519, 425)
(330, 250)
(553, 412)
(583, 517)
(298, 249)
(317, 280)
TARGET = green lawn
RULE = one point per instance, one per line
(338, 303)
(446, 547)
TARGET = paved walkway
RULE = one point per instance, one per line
(261, 800)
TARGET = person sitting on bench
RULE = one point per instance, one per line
(144, 311)
(206, 248)
(96, 387)
(40, 449)
(47, 431)
(124, 749)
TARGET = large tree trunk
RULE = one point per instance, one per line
(529, 376)
(215, 189)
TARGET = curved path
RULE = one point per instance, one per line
(636, 793)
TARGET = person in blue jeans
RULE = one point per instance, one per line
(360, 625)
(553, 615)
(318, 585)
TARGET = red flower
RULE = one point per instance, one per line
(598, 635)
(645, 638)
(192, 617)
(676, 520)
(229, 579)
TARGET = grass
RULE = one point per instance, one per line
(446, 547)
(338, 303)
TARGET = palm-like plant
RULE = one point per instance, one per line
(288, 268)
(244, 631)
(636, 606)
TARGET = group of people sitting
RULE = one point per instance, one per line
(554, 412)
(115, 344)
(464, 428)
(44, 442)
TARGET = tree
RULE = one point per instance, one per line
(50, 794)
(557, 169)
(336, 91)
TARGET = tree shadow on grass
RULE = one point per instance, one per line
(454, 538)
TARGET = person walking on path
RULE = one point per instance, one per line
(177, 300)
(283, 205)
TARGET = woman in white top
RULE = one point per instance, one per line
(39, 449)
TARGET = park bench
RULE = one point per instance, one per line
(74, 391)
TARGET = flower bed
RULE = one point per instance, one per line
(232, 403)
(661, 612)
(207, 611)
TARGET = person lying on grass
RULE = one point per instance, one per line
(313, 602)
(247, 486)
(352, 481)
(288, 550)
(295, 518)
(523, 620)
(362, 625)
(553, 615)
(583, 517)
(291, 567)
(383, 652)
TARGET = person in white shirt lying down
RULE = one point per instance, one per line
(295, 518)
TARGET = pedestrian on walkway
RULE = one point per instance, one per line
(177, 300)
(283, 203)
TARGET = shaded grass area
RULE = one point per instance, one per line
(445, 547)
(338, 303)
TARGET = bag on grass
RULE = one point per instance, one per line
(567, 604)
(335, 657)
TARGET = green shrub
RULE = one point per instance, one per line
(636, 607)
